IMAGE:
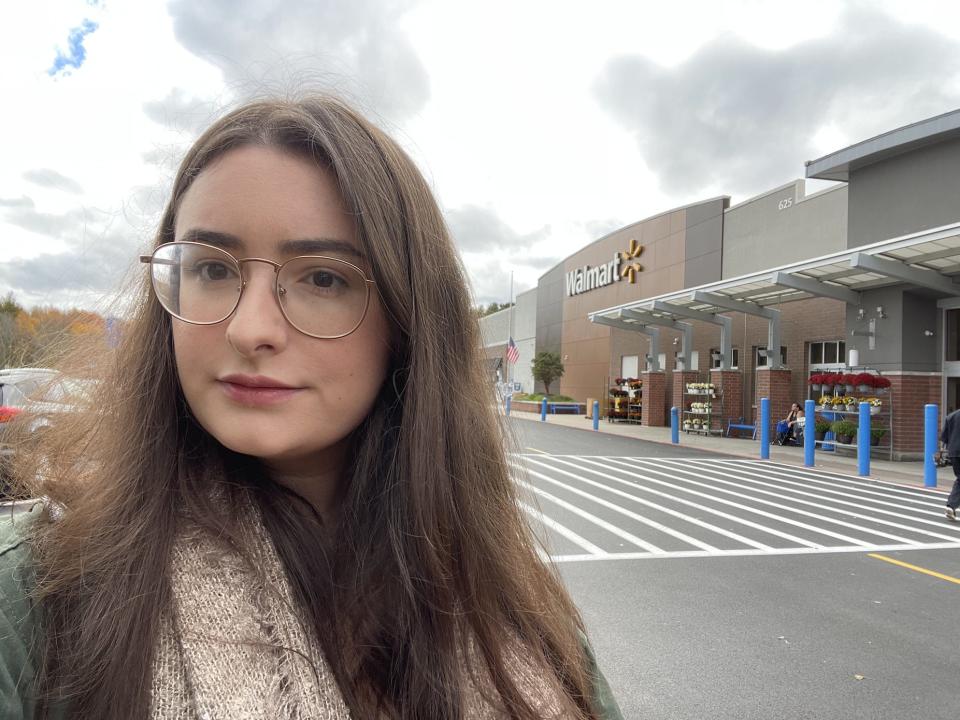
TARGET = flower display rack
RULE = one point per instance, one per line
(624, 400)
(702, 409)
(837, 398)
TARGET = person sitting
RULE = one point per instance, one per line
(787, 428)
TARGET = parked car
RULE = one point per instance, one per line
(36, 396)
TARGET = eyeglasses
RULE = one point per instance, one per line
(323, 297)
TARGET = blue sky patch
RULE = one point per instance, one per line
(76, 53)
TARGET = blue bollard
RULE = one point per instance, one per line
(674, 426)
(508, 404)
(863, 440)
(931, 414)
(596, 414)
(543, 410)
(764, 428)
(809, 430)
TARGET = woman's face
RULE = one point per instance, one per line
(253, 201)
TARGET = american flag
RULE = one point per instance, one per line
(512, 353)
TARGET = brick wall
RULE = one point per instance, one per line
(680, 380)
(908, 394)
(729, 386)
(654, 399)
(778, 386)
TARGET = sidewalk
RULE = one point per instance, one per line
(903, 473)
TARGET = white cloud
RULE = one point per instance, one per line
(496, 101)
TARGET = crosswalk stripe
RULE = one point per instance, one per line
(718, 513)
(665, 510)
(742, 487)
(782, 471)
(859, 506)
(600, 522)
(623, 511)
(563, 530)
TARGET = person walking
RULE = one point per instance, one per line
(950, 438)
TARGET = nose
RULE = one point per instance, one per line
(258, 326)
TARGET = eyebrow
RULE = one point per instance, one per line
(303, 246)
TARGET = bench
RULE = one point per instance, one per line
(741, 425)
(563, 406)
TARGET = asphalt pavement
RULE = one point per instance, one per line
(716, 586)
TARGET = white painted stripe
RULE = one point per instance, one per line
(600, 522)
(754, 553)
(857, 480)
(778, 503)
(712, 511)
(660, 508)
(779, 471)
(563, 530)
(792, 502)
(631, 470)
(741, 475)
(623, 511)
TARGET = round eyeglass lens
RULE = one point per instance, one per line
(197, 283)
(322, 296)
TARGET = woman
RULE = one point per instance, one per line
(787, 428)
(292, 499)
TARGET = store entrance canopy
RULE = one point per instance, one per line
(929, 259)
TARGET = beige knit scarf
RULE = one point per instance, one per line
(232, 647)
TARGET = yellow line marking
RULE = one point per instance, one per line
(539, 451)
(933, 573)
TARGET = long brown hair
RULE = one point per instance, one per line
(429, 556)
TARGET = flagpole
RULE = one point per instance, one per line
(510, 333)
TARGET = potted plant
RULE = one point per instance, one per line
(875, 404)
(852, 404)
(826, 383)
(881, 384)
(863, 381)
(848, 381)
(844, 430)
(820, 428)
(815, 381)
(876, 435)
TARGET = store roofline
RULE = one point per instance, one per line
(836, 274)
(838, 165)
(630, 225)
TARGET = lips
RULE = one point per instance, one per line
(257, 390)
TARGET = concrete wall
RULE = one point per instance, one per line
(783, 226)
(703, 251)
(904, 194)
(900, 343)
(495, 332)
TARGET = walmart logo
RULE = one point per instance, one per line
(589, 278)
(630, 269)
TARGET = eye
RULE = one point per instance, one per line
(213, 271)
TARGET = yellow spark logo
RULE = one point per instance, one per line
(630, 269)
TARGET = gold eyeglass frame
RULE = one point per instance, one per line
(278, 291)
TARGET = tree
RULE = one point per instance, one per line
(483, 311)
(547, 368)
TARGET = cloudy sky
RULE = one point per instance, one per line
(540, 124)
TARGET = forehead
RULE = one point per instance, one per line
(258, 200)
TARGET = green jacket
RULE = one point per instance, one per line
(17, 628)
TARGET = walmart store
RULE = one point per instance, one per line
(757, 297)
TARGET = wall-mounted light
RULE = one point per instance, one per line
(676, 341)
(860, 313)
(928, 333)
(880, 313)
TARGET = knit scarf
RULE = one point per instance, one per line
(232, 645)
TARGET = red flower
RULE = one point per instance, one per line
(881, 382)
(864, 379)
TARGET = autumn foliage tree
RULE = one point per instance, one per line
(29, 338)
